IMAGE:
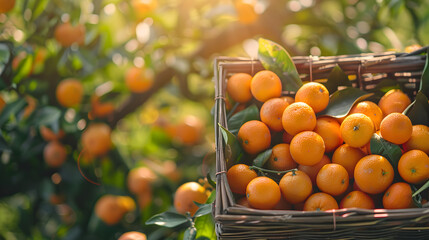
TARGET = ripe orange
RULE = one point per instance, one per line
(239, 176)
(55, 154)
(238, 87)
(357, 129)
(2, 104)
(69, 92)
(373, 174)
(271, 113)
(66, 34)
(133, 236)
(396, 128)
(254, 136)
(295, 186)
(371, 110)
(313, 170)
(187, 194)
(96, 139)
(189, 131)
(357, 199)
(139, 180)
(280, 159)
(398, 196)
(307, 148)
(394, 101)
(329, 129)
(110, 208)
(419, 139)
(333, 179)
(288, 99)
(265, 85)
(314, 94)
(320, 202)
(6, 5)
(413, 166)
(246, 11)
(263, 193)
(142, 7)
(138, 80)
(49, 135)
(298, 117)
(100, 109)
(347, 157)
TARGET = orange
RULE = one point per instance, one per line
(295, 186)
(100, 109)
(357, 129)
(280, 159)
(132, 236)
(66, 34)
(282, 204)
(142, 7)
(69, 92)
(263, 193)
(298, 117)
(373, 174)
(55, 154)
(254, 136)
(413, 166)
(419, 139)
(49, 135)
(333, 179)
(357, 199)
(6, 5)
(246, 11)
(329, 129)
(243, 202)
(394, 101)
(170, 170)
(110, 208)
(320, 202)
(314, 94)
(347, 157)
(288, 99)
(238, 87)
(371, 110)
(96, 139)
(2, 104)
(189, 130)
(307, 148)
(56, 199)
(398, 196)
(187, 194)
(313, 170)
(265, 85)
(139, 179)
(396, 128)
(239, 176)
(144, 198)
(138, 80)
(271, 113)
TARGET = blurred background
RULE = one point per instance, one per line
(92, 89)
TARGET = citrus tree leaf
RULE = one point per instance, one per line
(203, 209)
(337, 78)
(418, 110)
(45, 116)
(168, 219)
(386, 149)
(11, 109)
(421, 189)
(5, 63)
(190, 233)
(424, 81)
(417, 199)
(341, 101)
(276, 59)
(233, 150)
(238, 119)
(205, 227)
(262, 158)
(212, 197)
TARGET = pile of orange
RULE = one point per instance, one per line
(324, 162)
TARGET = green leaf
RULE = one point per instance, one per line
(424, 81)
(205, 228)
(418, 110)
(262, 158)
(386, 149)
(421, 189)
(168, 219)
(210, 181)
(238, 119)
(3, 143)
(417, 199)
(337, 78)
(203, 209)
(11, 109)
(212, 197)
(190, 233)
(233, 150)
(341, 101)
(276, 59)
(45, 116)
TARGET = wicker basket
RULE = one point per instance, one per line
(237, 222)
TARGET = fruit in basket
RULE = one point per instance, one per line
(357, 129)
(314, 94)
(239, 176)
(357, 199)
(333, 179)
(394, 101)
(238, 87)
(320, 202)
(313, 170)
(265, 85)
(371, 110)
(347, 157)
(413, 166)
(272, 111)
(329, 129)
(373, 174)
(187, 194)
(295, 186)
(280, 159)
(397, 196)
(307, 148)
(263, 193)
(298, 117)
(419, 139)
(254, 136)
(396, 128)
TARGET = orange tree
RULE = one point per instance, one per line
(94, 90)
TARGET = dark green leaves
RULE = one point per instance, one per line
(5, 63)
(45, 116)
(11, 109)
(424, 83)
(276, 59)
(233, 150)
(337, 78)
(262, 158)
(421, 189)
(386, 149)
(168, 219)
(418, 111)
(236, 121)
